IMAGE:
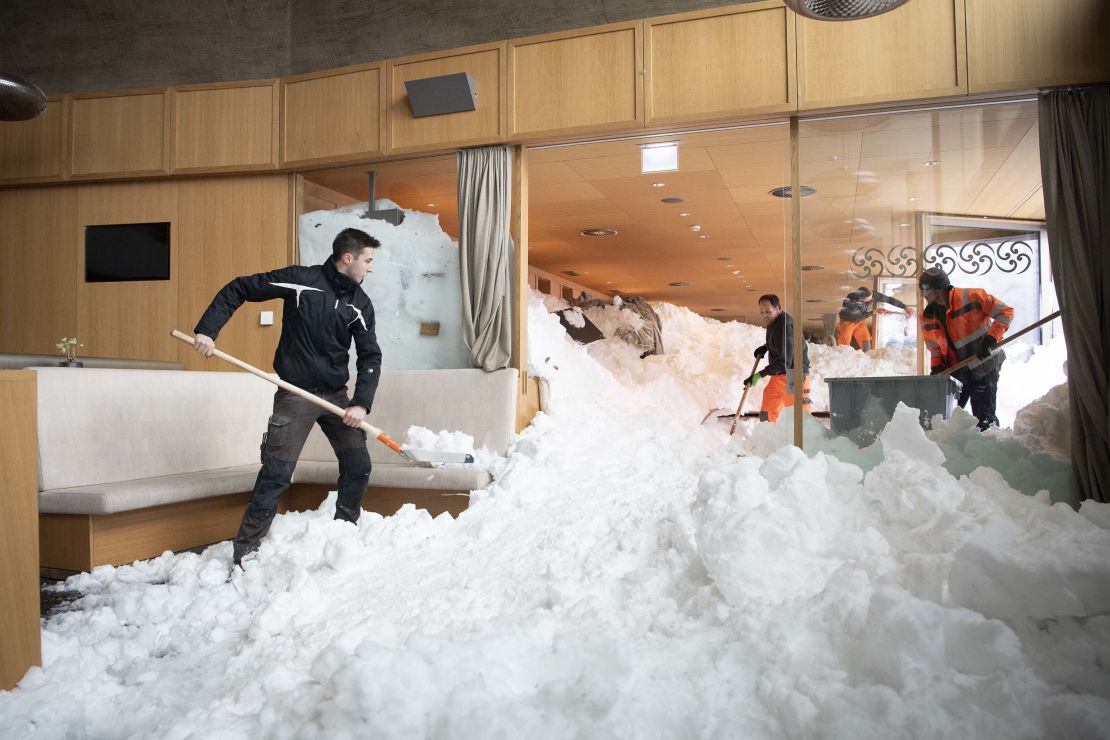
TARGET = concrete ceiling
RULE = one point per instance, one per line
(872, 175)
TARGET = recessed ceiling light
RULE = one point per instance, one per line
(679, 285)
(724, 259)
(695, 227)
(704, 236)
(673, 199)
(784, 192)
(716, 309)
(904, 226)
(735, 272)
(608, 282)
(932, 163)
(659, 157)
(684, 213)
(657, 184)
(431, 205)
(913, 198)
(598, 232)
(812, 268)
(749, 290)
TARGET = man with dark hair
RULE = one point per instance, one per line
(855, 311)
(780, 348)
(323, 312)
(958, 323)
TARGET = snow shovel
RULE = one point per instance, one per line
(422, 458)
(1007, 340)
(743, 397)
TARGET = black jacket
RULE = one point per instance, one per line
(780, 347)
(324, 311)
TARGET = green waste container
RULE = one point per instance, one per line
(861, 407)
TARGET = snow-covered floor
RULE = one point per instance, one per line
(631, 574)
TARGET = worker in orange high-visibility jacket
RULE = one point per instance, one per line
(958, 323)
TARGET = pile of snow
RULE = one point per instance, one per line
(630, 573)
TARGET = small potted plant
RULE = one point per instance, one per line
(68, 347)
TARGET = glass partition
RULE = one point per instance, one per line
(891, 195)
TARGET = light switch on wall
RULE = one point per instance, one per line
(266, 318)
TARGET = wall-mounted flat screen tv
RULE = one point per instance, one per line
(122, 252)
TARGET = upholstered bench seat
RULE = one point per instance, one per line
(391, 475)
(111, 498)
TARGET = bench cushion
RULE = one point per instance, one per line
(478, 403)
(113, 425)
(386, 475)
(110, 498)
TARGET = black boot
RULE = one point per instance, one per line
(354, 473)
(273, 479)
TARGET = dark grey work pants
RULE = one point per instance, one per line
(285, 436)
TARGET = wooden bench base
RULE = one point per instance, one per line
(80, 542)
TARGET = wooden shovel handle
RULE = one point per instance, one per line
(1007, 340)
(743, 397)
(365, 426)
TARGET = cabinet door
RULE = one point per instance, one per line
(332, 117)
(484, 125)
(706, 65)
(34, 151)
(915, 51)
(226, 127)
(1023, 44)
(583, 80)
(118, 135)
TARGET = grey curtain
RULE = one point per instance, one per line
(1075, 171)
(486, 254)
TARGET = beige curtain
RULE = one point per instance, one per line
(1075, 172)
(486, 254)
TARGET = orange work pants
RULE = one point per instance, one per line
(776, 398)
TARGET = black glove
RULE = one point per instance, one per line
(760, 352)
(936, 370)
(986, 344)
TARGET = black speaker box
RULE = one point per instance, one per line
(434, 96)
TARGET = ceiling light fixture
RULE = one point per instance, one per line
(784, 192)
(913, 198)
(695, 227)
(679, 285)
(672, 199)
(704, 236)
(724, 259)
(657, 184)
(932, 163)
(684, 213)
(598, 232)
(659, 157)
(812, 268)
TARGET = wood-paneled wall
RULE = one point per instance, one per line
(915, 51)
(741, 62)
(20, 640)
(483, 125)
(1014, 44)
(333, 116)
(225, 127)
(38, 268)
(720, 64)
(127, 319)
(34, 151)
(118, 135)
(219, 228)
(569, 82)
(231, 227)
